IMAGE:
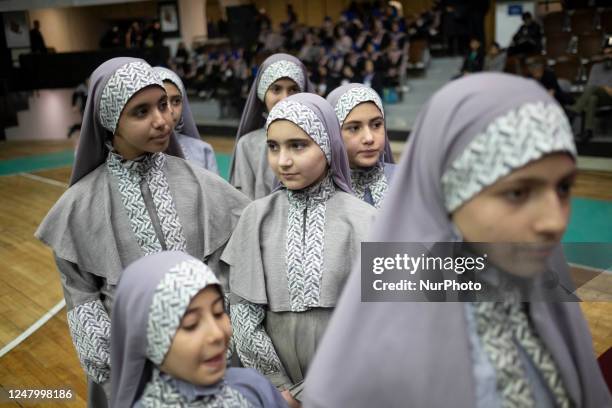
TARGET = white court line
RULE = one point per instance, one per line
(55, 309)
(19, 339)
(44, 180)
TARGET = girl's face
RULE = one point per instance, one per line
(529, 209)
(363, 133)
(279, 90)
(175, 101)
(297, 161)
(144, 124)
(197, 352)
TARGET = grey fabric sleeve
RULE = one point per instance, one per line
(243, 177)
(88, 320)
(253, 344)
(210, 159)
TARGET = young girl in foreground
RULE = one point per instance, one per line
(362, 121)
(289, 254)
(491, 159)
(170, 333)
(194, 148)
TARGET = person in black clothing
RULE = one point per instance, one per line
(528, 38)
(154, 36)
(474, 60)
(37, 42)
(547, 78)
(112, 38)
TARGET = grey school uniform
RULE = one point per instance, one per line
(198, 152)
(116, 211)
(284, 342)
(92, 240)
(252, 175)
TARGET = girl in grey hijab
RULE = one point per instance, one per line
(362, 122)
(194, 148)
(490, 159)
(127, 199)
(283, 296)
(170, 333)
(279, 76)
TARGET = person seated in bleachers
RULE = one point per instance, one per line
(474, 60)
(597, 93)
(495, 60)
(547, 78)
(528, 38)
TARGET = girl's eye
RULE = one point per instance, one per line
(352, 129)
(141, 113)
(190, 325)
(176, 102)
(517, 195)
(163, 106)
(376, 125)
(272, 147)
(276, 89)
(298, 145)
(293, 91)
(564, 188)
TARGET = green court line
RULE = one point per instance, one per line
(38, 162)
(29, 164)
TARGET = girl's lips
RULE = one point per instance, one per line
(215, 361)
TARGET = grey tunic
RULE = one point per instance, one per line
(90, 234)
(252, 175)
(269, 336)
(198, 152)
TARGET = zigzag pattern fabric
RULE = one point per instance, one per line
(500, 325)
(276, 71)
(509, 142)
(253, 344)
(306, 119)
(305, 243)
(170, 301)
(372, 180)
(353, 97)
(90, 331)
(121, 86)
(161, 394)
(129, 174)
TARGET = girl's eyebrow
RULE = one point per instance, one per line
(534, 180)
(140, 106)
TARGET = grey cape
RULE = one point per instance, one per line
(94, 235)
(418, 354)
(249, 171)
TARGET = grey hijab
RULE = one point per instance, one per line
(186, 125)
(346, 97)
(111, 86)
(315, 116)
(151, 299)
(390, 354)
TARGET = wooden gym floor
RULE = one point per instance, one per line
(30, 287)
